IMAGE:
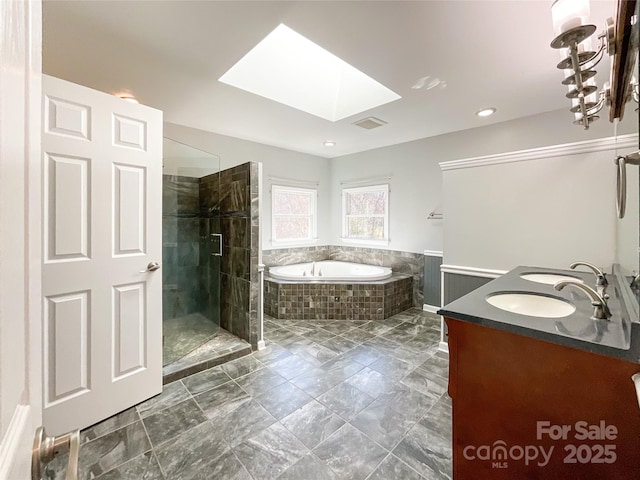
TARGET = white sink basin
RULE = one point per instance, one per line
(532, 305)
(548, 278)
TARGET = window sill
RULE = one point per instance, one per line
(293, 243)
(364, 241)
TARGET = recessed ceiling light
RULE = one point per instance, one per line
(290, 69)
(485, 112)
(329, 143)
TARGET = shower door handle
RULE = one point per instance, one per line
(152, 267)
(219, 237)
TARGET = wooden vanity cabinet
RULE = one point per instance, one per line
(502, 384)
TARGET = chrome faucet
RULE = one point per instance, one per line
(601, 279)
(600, 308)
(313, 269)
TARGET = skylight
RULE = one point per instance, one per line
(290, 69)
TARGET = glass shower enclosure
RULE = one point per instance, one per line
(191, 250)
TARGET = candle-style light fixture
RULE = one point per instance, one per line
(579, 59)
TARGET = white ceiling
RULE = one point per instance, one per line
(169, 54)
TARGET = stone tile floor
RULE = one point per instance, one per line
(325, 400)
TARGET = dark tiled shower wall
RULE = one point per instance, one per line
(232, 196)
(400, 262)
(181, 292)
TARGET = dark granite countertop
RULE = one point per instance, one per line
(618, 337)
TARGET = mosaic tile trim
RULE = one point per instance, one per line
(339, 301)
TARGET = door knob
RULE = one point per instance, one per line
(45, 448)
(152, 267)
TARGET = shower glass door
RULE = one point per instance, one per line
(191, 252)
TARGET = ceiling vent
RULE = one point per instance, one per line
(370, 122)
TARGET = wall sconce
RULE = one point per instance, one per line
(573, 38)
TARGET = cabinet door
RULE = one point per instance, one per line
(513, 391)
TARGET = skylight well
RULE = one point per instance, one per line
(290, 69)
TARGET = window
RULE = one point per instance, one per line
(365, 214)
(293, 214)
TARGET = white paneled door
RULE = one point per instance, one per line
(102, 305)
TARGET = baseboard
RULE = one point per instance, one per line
(16, 445)
(443, 347)
(430, 308)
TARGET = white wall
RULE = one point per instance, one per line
(276, 162)
(549, 211)
(417, 187)
(415, 190)
(416, 180)
(20, 217)
(627, 232)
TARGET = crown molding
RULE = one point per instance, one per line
(589, 146)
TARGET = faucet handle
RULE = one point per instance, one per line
(601, 277)
(598, 301)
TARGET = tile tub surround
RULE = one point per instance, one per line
(296, 410)
(400, 262)
(374, 300)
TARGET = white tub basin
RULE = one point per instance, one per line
(549, 278)
(330, 270)
(532, 304)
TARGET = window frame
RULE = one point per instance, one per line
(313, 215)
(384, 187)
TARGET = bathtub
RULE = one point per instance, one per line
(329, 270)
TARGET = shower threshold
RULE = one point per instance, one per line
(219, 349)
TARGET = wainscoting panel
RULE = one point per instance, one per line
(457, 282)
(432, 279)
(456, 285)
